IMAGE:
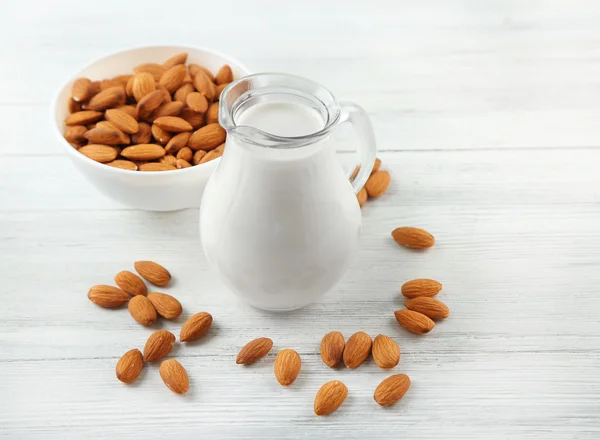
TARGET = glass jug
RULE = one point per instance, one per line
(279, 219)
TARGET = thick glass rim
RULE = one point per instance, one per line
(240, 89)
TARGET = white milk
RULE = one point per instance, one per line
(282, 118)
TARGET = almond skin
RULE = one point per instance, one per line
(254, 350)
(129, 366)
(204, 85)
(73, 106)
(195, 119)
(161, 136)
(107, 296)
(99, 153)
(207, 138)
(122, 120)
(329, 397)
(153, 272)
(183, 164)
(413, 237)
(287, 366)
(377, 183)
(158, 345)
(177, 142)
(198, 155)
(212, 114)
(432, 308)
(102, 135)
(83, 117)
(332, 348)
(180, 58)
(224, 75)
(165, 305)
(219, 90)
(142, 84)
(76, 134)
(156, 70)
(186, 154)
(167, 109)
(169, 160)
(195, 68)
(149, 103)
(357, 349)
(156, 166)
(414, 322)
(386, 352)
(182, 92)
(130, 283)
(173, 78)
(81, 89)
(143, 152)
(142, 310)
(214, 154)
(123, 164)
(421, 287)
(195, 327)
(107, 98)
(174, 376)
(197, 102)
(173, 123)
(143, 135)
(392, 389)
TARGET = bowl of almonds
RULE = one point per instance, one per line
(142, 124)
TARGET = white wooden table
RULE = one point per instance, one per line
(487, 116)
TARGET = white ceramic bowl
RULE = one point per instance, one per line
(152, 191)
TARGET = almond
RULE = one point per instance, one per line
(81, 89)
(174, 376)
(204, 85)
(129, 109)
(392, 389)
(195, 119)
(161, 136)
(169, 160)
(177, 142)
(180, 58)
(83, 117)
(219, 89)
(357, 349)
(220, 148)
(167, 109)
(414, 322)
(386, 352)
(95, 88)
(149, 103)
(432, 308)
(181, 163)
(377, 183)
(212, 114)
(157, 166)
(142, 84)
(214, 154)
(108, 83)
(185, 153)
(142, 310)
(287, 366)
(413, 237)
(195, 327)
(143, 135)
(362, 197)
(173, 123)
(207, 138)
(122, 120)
(102, 135)
(107, 296)
(129, 366)
(197, 102)
(73, 106)
(158, 345)
(254, 350)
(75, 134)
(129, 86)
(130, 282)
(123, 164)
(153, 272)
(224, 75)
(194, 69)
(122, 79)
(173, 78)
(198, 155)
(329, 397)
(420, 287)
(143, 152)
(165, 92)
(107, 98)
(156, 70)
(332, 348)
(376, 165)
(165, 305)
(182, 92)
(99, 153)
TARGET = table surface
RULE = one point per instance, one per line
(487, 118)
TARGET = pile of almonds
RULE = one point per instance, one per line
(376, 185)
(145, 309)
(162, 117)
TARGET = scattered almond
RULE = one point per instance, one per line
(329, 397)
(332, 348)
(165, 305)
(129, 366)
(362, 197)
(413, 237)
(107, 296)
(195, 327)
(386, 352)
(414, 322)
(287, 366)
(377, 183)
(376, 165)
(174, 376)
(432, 308)
(254, 350)
(421, 287)
(158, 345)
(357, 349)
(392, 389)
(153, 272)
(130, 282)
(142, 310)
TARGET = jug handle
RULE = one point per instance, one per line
(367, 147)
